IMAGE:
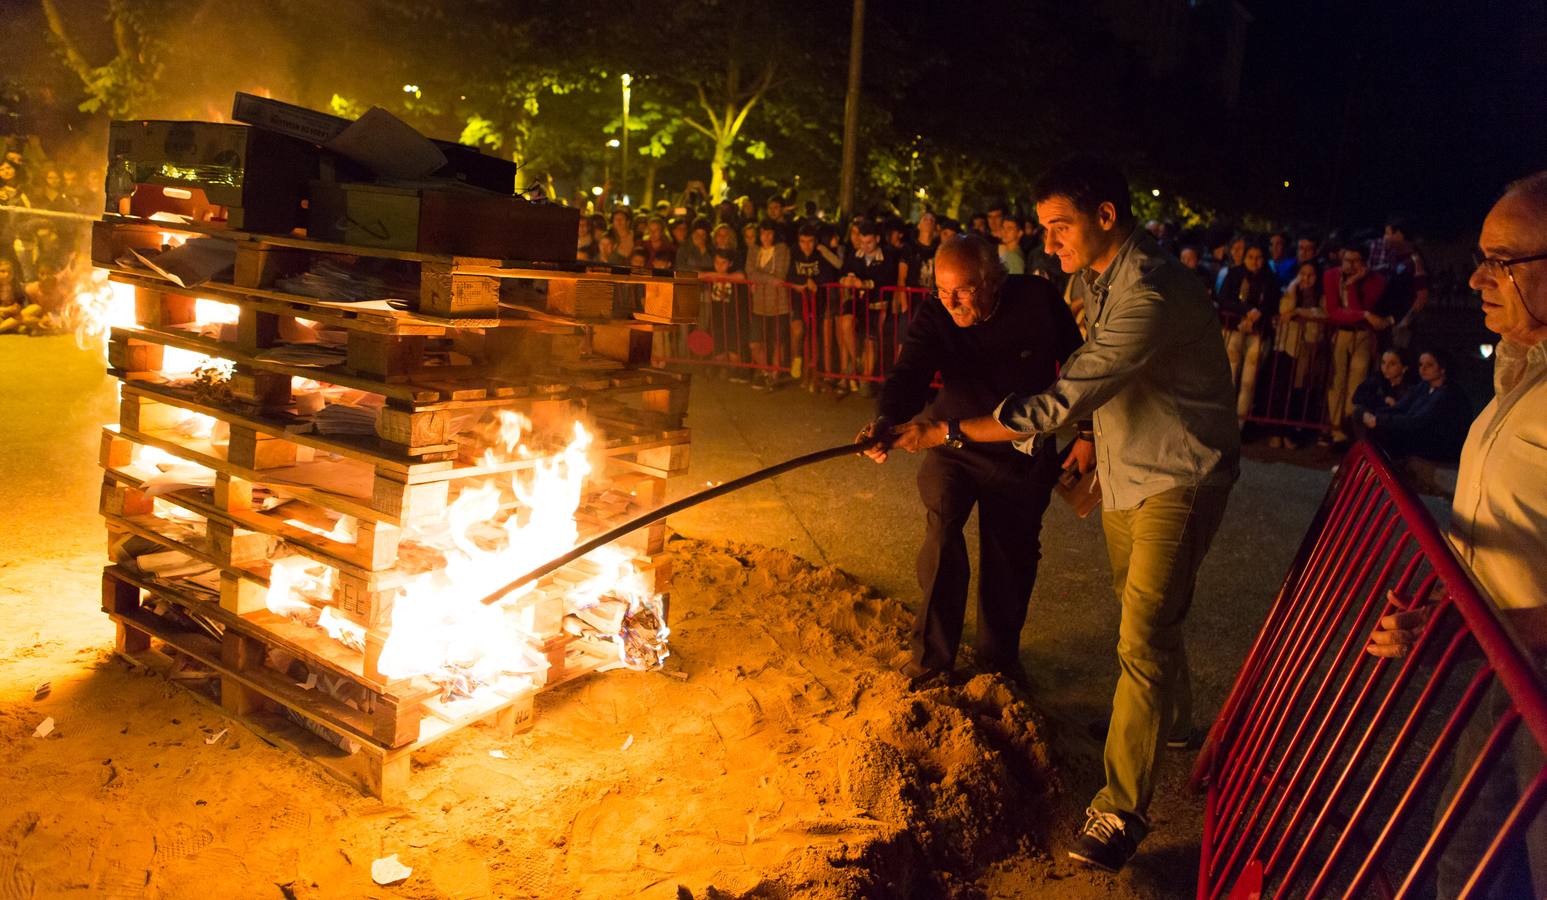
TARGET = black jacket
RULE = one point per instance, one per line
(1019, 350)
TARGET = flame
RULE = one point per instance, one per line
(440, 628)
(215, 312)
(99, 307)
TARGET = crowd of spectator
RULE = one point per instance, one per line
(1310, 313)
(41, 255)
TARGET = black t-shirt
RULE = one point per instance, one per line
(1019, 350)
(814, 268)
(921, 263)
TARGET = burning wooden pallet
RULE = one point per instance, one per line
(291, 475)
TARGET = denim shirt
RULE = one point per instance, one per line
(1152, 375)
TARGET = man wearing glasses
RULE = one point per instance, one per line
(1154, 376)
(990, 335)
(1498, 525)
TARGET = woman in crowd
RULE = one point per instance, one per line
(1382, 391)
(585, 241)
(623, 232)
(656, 239)
(12, 297)
(1430, 421)
(695, 254)
(724, 239)
(767, 265)
(1247, 298)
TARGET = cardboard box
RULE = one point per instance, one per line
(452, 222)
(216, 172)
(463, 163)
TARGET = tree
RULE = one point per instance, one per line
(126, 83)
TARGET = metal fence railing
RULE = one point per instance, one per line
(1333, 772)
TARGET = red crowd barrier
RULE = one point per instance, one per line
(843, 334)
(1331, 771)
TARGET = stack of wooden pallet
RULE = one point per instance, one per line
(220, 471)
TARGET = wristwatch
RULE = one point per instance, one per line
(953, 434)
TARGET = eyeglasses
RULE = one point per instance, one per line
(965, 294)
(1495, 267)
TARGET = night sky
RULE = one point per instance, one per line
(1421, 108)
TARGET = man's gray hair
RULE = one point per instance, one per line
(977, 250)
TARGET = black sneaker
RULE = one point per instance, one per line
(1107, 841)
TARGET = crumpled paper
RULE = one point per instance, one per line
(388, 870)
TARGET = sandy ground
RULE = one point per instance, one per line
(782, 758)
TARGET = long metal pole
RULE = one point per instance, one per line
(851, 110)
(623, 162)
(672, 508)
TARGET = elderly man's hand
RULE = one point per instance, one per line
(880, 427)
(916, 436)
(1396, 634)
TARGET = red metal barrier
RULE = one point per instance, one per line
(1326, 768)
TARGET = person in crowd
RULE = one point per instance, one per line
(870, 269)
(638, 259)
(1498, 521)
(978, 224)
(623, 232)
(1395, 259)
(729, 314)
(677, 229)
(949, 228)
(1248, 299)
(1430, 421)
(585, 241)
(990, 335)
(1280, 262)
(1349, 294)
(13, 297)
(1305, 251)
(724, 239)
(920, 252)
(749, 238)
(995, 216)
(1192, 259)
(79, 192)
(775, 211)
(1009, 234)
(1299, 331)
(607, 250)
(695, 254)
(812, 271)
(1234, 259)
(1382, 392)
(1154, 376)
(1391, 249)
(656, 239)
(746, 211)
(767, 265)
(50, 193)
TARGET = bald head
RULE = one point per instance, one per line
(968, 275)
(972, 258)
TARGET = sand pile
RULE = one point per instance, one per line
(779, 755)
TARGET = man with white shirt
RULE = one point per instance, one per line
(1499, 518)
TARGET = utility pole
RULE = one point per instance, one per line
(623, 163)
(851, 109)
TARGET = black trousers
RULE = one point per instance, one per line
(1011, 491)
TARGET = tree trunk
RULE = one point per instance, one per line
(718, 186)
(650, 170)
